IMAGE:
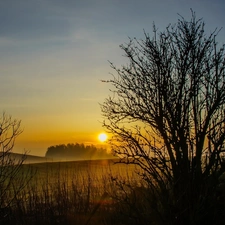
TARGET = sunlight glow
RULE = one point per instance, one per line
(102, 137)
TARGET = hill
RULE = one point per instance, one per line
(28, 158)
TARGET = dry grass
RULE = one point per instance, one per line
(90, 193)
(82, 192)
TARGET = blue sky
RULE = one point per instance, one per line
(53, 54)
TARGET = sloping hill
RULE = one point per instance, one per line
(28, 158)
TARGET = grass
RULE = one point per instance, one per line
(80, 192)
(93, 192)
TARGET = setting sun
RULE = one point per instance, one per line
(102, 137)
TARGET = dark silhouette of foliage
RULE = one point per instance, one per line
(167, 115)
(12, 178)
(76, 151)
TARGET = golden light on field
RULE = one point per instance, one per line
(102, 137)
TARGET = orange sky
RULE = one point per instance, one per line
(38, 135)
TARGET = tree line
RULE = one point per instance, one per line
(76, 151)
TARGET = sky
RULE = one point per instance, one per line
(54, 54)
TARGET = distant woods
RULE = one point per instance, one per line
(76, 151)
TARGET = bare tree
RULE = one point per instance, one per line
(167, 115)
(12, 178)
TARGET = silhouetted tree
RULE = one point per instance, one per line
(12, 178)
(167, 115)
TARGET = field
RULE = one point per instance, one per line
(97, 192)
(79, 192)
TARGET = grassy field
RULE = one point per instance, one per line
(78, 192)
(98, 192)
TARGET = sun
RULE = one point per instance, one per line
(102, 137)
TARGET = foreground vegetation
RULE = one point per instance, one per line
(93, 192)
(82, 192)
